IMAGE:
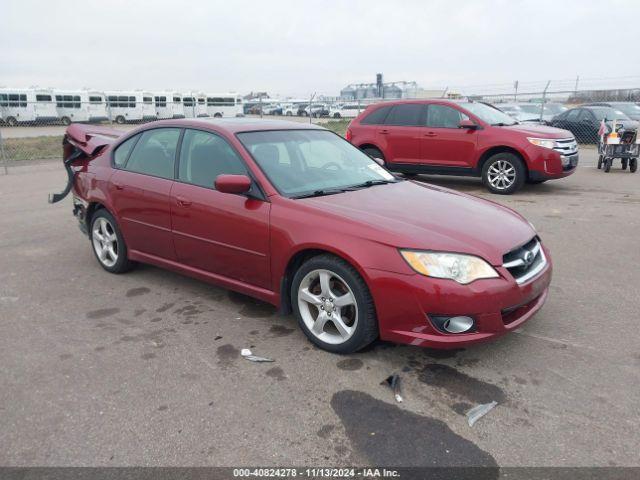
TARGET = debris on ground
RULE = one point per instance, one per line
(393, 382)
(479, 411)
(246, 353)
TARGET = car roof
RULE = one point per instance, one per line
(421, 100)
(235, 125)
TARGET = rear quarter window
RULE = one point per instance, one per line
(122, 152)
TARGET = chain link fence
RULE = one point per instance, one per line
(32, 122)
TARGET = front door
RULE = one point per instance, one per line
(401, 135)
(220, 233)
(443, 143)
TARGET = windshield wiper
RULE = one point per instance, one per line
(370, 183)
(502, 124)
(320, 193)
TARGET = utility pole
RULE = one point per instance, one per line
(575, 89)
(4, 158)
(544, 96)
(515, 94)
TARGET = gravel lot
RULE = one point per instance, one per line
(145, 368)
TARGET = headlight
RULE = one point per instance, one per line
(542, 142)
(454, 266)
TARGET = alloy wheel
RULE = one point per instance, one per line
(328, 306)
(105, 242)
(501, 175)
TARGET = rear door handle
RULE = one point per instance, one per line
(118, 186)
(430, 134)
(384, 132)
(185, 202)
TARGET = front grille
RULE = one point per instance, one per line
(566, 146)
(525, 262)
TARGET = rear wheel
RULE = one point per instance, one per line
(600, 157)
(108, 243)
(503, 173)
(65, 120)
(217, 115)
(120, 120)
(336, 115)
(12, 122)
(633, 165)
(607, 164)
(624, 164)
(333, 305)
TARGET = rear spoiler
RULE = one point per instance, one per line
(82, 141)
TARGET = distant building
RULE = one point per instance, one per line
(390, 90)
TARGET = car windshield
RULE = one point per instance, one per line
(488, 114)
(530, 108)
(302, 163)
(609, 113)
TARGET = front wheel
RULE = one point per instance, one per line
(503, 173)
(624, 164)
(66, 121)
(633, 165)
(333, 305)
(600, 158)
(120, 120)
(607, 164)
(336, 115)
(108, 243)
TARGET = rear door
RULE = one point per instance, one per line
(220, 233)
(140, 190)
(443, 143)
(400, 136)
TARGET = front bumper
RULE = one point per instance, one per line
(547, 164)
(404, 303)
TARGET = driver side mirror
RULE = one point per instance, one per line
(468, 124)
(379, 161)
(236, 184)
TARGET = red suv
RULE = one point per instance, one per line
(296, 216)
(463, 138)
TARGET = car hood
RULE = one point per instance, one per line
(415, 215)
(540, 131)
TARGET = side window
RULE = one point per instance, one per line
(586, 116)
(442, 116)
(408, 115)
(155, 153)
(122, 152)
(204, 156)
(572, 115)
(377, 116)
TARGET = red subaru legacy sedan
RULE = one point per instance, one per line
(463, 138)
(296, 216)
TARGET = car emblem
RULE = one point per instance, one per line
(528, 257)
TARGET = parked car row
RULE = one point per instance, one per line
(296, 216)
(22, 106)
(303, 109)
(532, 112)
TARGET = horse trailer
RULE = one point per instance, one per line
(27, 105)
(224, 105)
(168, 105)
(80, 106)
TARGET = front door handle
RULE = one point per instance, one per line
(384, 132)
(118, 186)
(182, 201)
(430, 134)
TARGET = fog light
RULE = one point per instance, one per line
(459, 324)
(564, 160)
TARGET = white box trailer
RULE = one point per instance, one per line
(80, 106)
(224, 105)
(27, 105)
(168, 105)
(130, 106)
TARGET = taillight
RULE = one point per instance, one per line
(348, 135)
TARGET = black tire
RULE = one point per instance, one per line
(600, 157)
(289, 114)
(535, 182)
(123, 264)
(336, 115)
(511, 160)
(12, 122)
(366, 330)
(633, 165)
(624, 164)
(217, 115)
(65, 121)
(120, 120)
(607, 164)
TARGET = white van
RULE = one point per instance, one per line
(130, 106)
(80, 106)
(27, 105)
(168, 105)
(224, 105)
(345, 110)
